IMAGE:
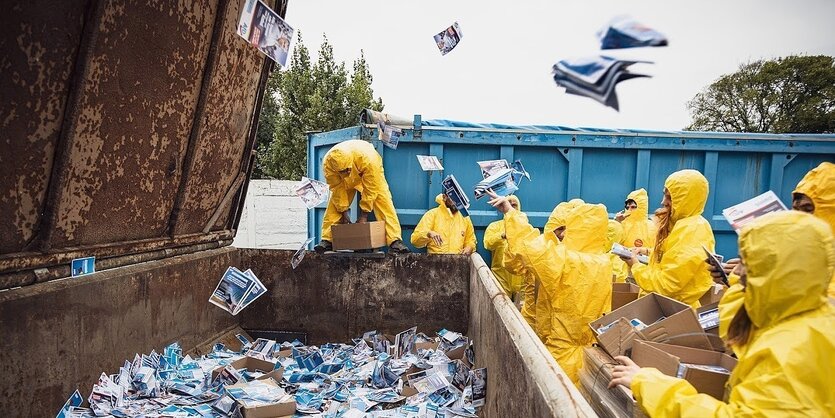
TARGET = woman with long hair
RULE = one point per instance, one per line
(676, 267)
(782, 333)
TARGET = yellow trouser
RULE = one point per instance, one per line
(383, 211)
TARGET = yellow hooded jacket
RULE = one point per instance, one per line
(367, 177)
(614, 233)
(786, 367)
(575, 277)
(681, 273)
(638, 229)
(493, 241)
(456, 230)
(819, 185)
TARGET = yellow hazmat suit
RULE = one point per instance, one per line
(614, 233)
(557, 217)
(638, 229)
(456, 231)
(819, 185)
(575, 277)
(493, 242)
(681, 274)
(785, 369)
(367, 177)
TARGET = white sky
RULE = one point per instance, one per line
(501, 70)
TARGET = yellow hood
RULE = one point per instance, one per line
(338, 159)
(513, 198)
(439, 199)
(586, 228)
(560, 214)
(641, 213)
(688, 190)
(819, 185)
(790, 260)
(614, 233)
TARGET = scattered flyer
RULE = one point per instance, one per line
(299, 254)
(266, 31)
(626, 32)
(745, 212)
(73, 402)
(389, 135)
(488, 168)
(478, 380)
(236, 290)
(83, 266)
(404, 342)
(448, 38)
(429, 163)
(594, 77)
(312, 192)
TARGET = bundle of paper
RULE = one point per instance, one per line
(626, 32)
(622, 251)
(594, 77)
(456, 193)
(743, 213)
(237, 290)
(502, 181)
(312, 192)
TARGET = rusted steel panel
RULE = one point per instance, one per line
(223, 128)
(39, 42)
(130, 126)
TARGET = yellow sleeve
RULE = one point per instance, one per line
(426, 224)
(681, 274)
(339, 195)
(652, 232)
(470, 232)
(731, 302)
(373, 185)
(664, 396)
(493, 235)
(534, 251)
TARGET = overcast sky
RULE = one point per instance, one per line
(501, 70)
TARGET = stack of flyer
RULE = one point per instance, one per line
(237, 290)
(594, 77)
(456, 194)
(743, 213)
(500, 177)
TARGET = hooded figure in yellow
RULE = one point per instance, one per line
(676, 268)
(443, 230)
(816, 194)
(785, 330)
(556, 221)
(352, 166)
(638, 230)
(576, 277)
(495, 241)
(614, 233)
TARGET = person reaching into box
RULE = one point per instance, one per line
(782, 333)
(676, 266)
(443, 230)
(352, 166)
(495, 241)
(576, 276)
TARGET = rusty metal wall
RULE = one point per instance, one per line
(125, 127)
(336, 298)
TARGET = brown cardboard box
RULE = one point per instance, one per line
(667, 358)
(279, 409)
(365, 236)
(595, 375)
(253, 364)
(679, 325)
(713, 295)
(623, 293)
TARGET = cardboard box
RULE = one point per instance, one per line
(253, 364)
(666, 320)
(278, 409)
(713, 295)
(667, 359)
(595, 375)
(623, 293)
(365, 236)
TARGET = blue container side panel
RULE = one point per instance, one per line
(598, 166)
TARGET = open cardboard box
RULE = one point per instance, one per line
(667, 320)
(667, 359)
(286, 407)
(367, 236)
(253, 364)
(623, 293)
(713, 295)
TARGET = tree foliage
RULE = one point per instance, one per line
(320, 96)
(795, 94)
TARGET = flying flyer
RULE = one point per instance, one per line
(429, 163)
(448, 38)
(264, 29)
(312, 192)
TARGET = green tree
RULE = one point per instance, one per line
(308, 97)
(795, 94)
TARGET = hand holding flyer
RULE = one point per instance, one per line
(745, 212)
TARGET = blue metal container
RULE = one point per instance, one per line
(597, 165)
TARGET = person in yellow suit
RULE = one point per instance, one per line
(676, 268)
(815, 194)
(352, 166)
(783, 333)
(495, 241)
(638, 230)
(576, 276)
(556, 221)
(443, 230)
(614, 233)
